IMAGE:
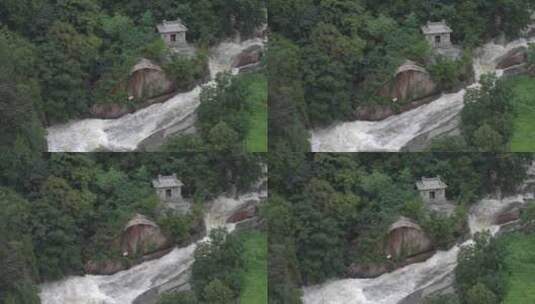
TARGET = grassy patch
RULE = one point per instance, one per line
(521, 263)
(256, 140)
(254, 280)
(524, 134)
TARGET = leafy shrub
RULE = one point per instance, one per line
(187, 72)
(480, 273)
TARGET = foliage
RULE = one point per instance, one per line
(187, 72)
(443, 230)
(527, 216)
(187, 297)
(218, 267)
(223, 117)
(480, 273)
(531, 57)
(447, 73)
(287, 110)
(487, 117)
(480, 294)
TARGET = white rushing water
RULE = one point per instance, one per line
(393, 287)
(125, 286)
(394, 132)
(126, 132)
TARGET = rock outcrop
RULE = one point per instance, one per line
(514, 57)
(510, 214)
(411, 82)
(367, 270)
(247, 211)
(140, 240)
(105, 267)
(148, 80)
(250, 55)
(142, 236)
(411, 87)
(405, 239)
(147, 84)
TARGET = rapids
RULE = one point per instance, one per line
(125, 286)
(126, 132)
(393, 133)
(391, 288)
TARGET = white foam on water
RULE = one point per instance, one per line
(126, 132)
(394, 132)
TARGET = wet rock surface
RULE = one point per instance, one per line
(514, 57)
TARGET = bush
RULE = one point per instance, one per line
(187, 297)
(441, 229)
(187, 72)
(482, 263)
(480, 294)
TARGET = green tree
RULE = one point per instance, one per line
(222, 138)
(217, 293)
(480, 294)
(488, 113)
(486, 139)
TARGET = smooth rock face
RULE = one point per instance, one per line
(250, 55)
(513, 57)
(406, 239)
(142, 236)
(149, 83)
(141, 239)
(411, 82)
(146, 84)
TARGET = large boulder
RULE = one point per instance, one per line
(405, 239)
(411, 82)
(247, 211)
(250, 55)
(514, 57)
(141, 236)
(146, 84)
(510, 214)
(148, 80)
(140, 240)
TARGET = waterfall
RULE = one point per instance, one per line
(393, 133)
(391, 288)
(125, 286)
(126, 132)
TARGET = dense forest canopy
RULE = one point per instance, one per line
(328, 211)
(341, 52)
(66, 208)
